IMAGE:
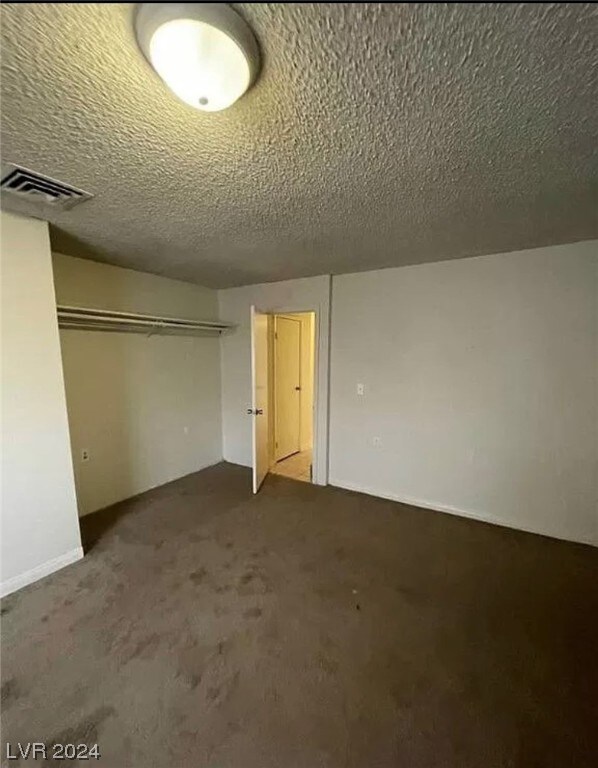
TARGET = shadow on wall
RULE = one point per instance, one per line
(64, 242)
(94, 527)
(98, 403)
(97, 378)
(142, 411)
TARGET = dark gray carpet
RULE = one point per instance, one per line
(306, 627)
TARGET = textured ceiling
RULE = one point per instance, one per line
(377, 135)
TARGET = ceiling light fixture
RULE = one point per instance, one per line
(205, 52)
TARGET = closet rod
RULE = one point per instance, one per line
(85, 318)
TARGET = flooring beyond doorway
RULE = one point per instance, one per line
(305, 627)
(295, 467)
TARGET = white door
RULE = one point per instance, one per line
(287, 374)
(259, 401)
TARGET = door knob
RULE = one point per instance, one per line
(258, 412)
(297, 389)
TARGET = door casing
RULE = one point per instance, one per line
(259, 397)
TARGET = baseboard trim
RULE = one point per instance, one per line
(435, 507)
(39, 572)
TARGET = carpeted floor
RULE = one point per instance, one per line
(305, 627)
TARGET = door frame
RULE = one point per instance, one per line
(255, 410)
(321, 377)
(313, 294)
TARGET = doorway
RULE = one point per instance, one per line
(292, 346)
(285, 405)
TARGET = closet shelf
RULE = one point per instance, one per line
(86, 319)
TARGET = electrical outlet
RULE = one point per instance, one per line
(186, 430)
(85, 455)
(361, 389)
(376, 442)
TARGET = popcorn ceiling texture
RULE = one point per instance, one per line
(377, 135)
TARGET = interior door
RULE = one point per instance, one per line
(259, 400)
(287, 375)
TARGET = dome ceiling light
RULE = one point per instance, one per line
(205, 52)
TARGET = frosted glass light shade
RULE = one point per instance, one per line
(204, 52)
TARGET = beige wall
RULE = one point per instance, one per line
(40, 530)
(146, 408)
(481, 387)
(307, 379)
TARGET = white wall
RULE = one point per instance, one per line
(481, 383)
(146, 408)
(307, 294)
(40, 530)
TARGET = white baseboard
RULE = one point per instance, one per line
(37, 573)
(435, 507)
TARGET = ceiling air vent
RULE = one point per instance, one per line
(33, 187)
